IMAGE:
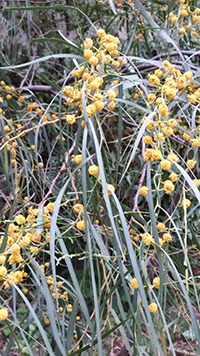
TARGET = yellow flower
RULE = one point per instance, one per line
(3, 272)
(46, 320)
(161, 226)
(165, 164)
(167, 237)
(191, 163)
(81, 225)
(3, 313)
(78, 159)
(70, 119)
(168, 131)
(146, 238)
(156, 282)
(110, 188)
(192, 98)
(168, 186)
(20, 219)
(153, 79)
(111, 105)
(50, 206)
(78, 208)
(93, 60)
(111, 94)
(69, 308)
(88, 43)
(173, 177)
(186, 203)
(196, 182)
(156, 155)
(93, 170)
(134, 283)
(2, 260)
(144, 190)
(88, 54)
(101, 33)
(153, 307)
(173, 157)
(195, 142)
(147, 140)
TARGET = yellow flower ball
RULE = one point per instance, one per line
(78, 208)
(134, 283)
(168, 186)
(3, 313)
(2, 260)
(147, 140)
(93, 170)
(173, 177)
(20, 219)
(3, 272)
(167, 237)
(191, 163)
(153, 307)
(144, 191)
(146, 238)
(165, 164)
(81, 225)
(70, 119)
(156, 282)
(78, 159)
(186, 203)
(160, 226)
(110, 188)
(69, 308)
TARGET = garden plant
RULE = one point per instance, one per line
(99, 177)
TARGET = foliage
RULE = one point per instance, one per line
(99, 177)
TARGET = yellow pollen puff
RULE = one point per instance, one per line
(93, 170)
(173, 157)
(182, 30)
(88, 54)
(167, 237)
(93, 60)
(134, 283)
(146, 238)
(41, 164)
(163, 109)
(196, 182)
(161, 226)
(3, 272)
(151, 98)
(20, 219)
(111, 105)
(191, 163)
(70, 119)
(88, 43)
(3, 313)
(186, 203)
(69, 308)
(144, 191)
(2, 259)
(78, 159)
(153, 79)
(78, 208)
(147, 140)
(173, 177)
(153, 308)
(101, 33)
(156, 282)
(165, 164)
(168, 186)
(81, 225)
(110, 188)
(195, 142)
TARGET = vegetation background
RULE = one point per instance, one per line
(99, 177)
